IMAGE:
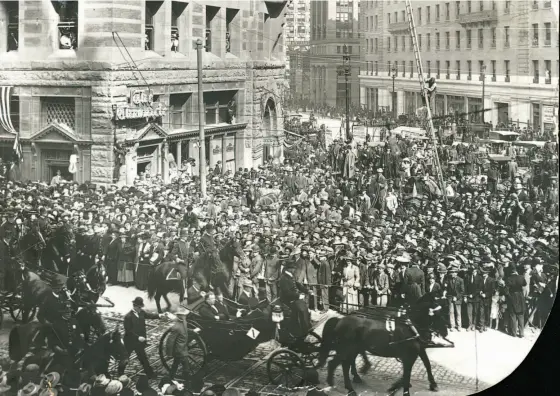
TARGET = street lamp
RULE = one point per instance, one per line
(483, 88)
(393, 102)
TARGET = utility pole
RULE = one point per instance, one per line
(201, 120)
(347, 71)
(483, 87)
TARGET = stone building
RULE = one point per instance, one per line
(115, 83)
(334, 25)
(510, 46)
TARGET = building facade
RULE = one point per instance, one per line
(115, 84)
(297, 28)
(334, 25)
(511, 45)
(297, 34)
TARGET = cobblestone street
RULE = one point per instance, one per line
(454, 368)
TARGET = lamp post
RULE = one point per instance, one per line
(393, 101)
(483, 88)
(346, 63)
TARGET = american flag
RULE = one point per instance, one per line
(6, 121)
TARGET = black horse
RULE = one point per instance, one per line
(217, 272)
(382, 333)
(165, 278)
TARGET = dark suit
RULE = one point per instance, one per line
(289, 295)
(272, 273)
(247, 300)
(223, 311)
(486, 293)
(179, 338)
(473, 286)
(433, 292)
(135, 327)
(455, 288)
(516, 303)
(208, 311)
(413, 284)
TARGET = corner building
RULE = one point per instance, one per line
(517, 42)
(115, 83)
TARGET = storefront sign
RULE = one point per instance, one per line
(217, 150)
(548, 114)
(141, 106)
(229, 147)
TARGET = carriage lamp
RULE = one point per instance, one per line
(277, 314)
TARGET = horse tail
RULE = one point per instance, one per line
(329, 337)
(152, 284)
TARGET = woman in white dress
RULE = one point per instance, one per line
(350, 284)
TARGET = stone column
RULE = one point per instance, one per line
(467, 106)
(165, 164)
(445, 104)
(178, 154)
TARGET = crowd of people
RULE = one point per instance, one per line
(357, 225)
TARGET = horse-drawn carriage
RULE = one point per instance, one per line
(11, 298)
(234, 339)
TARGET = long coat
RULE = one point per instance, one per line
(515, 299)
(413, 284)
(113, 253)
(349, 164)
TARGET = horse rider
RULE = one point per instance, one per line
(292, 294)
(181, 251)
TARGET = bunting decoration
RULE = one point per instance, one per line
(6, 121)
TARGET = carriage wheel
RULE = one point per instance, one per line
(16, 311)
(197, 352)
(1, 316)
(311, 353)
(285, 368)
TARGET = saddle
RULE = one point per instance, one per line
(173, 274)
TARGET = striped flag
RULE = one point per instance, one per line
(18, 152)
(6, 122)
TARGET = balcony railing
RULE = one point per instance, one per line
(469, 77)
(487, 16)
(398, 27)
(68, 35)
(208, 40)
(493, 78)
(458, 76)
(480, 77)
(13, 36)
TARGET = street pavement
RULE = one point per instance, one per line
(477, 361)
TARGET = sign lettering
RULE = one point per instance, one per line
(141, 105)
(548, 114)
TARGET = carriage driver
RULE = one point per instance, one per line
(292, 294)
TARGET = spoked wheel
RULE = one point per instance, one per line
(310, 355)
(285, 368)
(15, 306)
(197, 352)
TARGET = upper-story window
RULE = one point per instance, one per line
(231, 13)
(151, 9)
(428, 14)
(220, 106)
(12, 33)
(177, 24)
(60, 110)
(469, 6)
(67, 24)
(211, 13)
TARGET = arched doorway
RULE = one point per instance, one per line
(270, 130)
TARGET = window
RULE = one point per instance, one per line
(177, 9)
(447, 67)
(428, 14)
(536, 71)
(469, 39)
(480, 38)
(389, 68)
(419, 15)
(493, 70)
(420, 42)
(469, 6)
(493, 4)
(437, 13)
(211, 13)
(535, 35)
(403, 43)
(376, 45)
(217, 105)
(458, 70)
(506, 36)
(177, 110)
(338, 49)
(447, 6)
(411, 69)
(493, 37)
(403, 16)
(429, 63)
(469, 70)
(547, 66)
(457, 8)
(59, 110)
(437, 41)
(376, 21)
(507, 8)
(376, 68)
(67, 24)
(403, 68)
(506, 66)
(547, 34)
(389, 44)
(396, 17)
(437, 69)
(231, 13)
(458, 39)
(535, 4)
(428, 41)
(12, 12)
(447, 40)
(389, 18)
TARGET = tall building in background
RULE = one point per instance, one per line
(115, 83)
(297, 28)
(334, 25)
(515, 44)
(297, 34)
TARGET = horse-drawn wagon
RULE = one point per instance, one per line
(232, 340)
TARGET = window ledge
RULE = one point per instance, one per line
(151, 54)
(177, 55)
(65, 54)
(9, 56)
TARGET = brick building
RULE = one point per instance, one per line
(99, 78)
(516, 41)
